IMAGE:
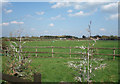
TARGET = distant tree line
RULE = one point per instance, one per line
(103, 37)
(58, 37)
(32, 38)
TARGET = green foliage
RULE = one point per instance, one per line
(17, 63)
(4, 46)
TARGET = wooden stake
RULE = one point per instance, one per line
(113, 54)
(70, 52)
(36, 52)
(52, 51)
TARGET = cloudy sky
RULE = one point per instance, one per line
(60, 18)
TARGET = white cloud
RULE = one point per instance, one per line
(61, 4)
(40, 18)
(87, 5)
(77, 6)
(15, 22)
(4, 3)
(70, 11)
(46, 31)
(28, 16)
(52, 1)
(110, 7)
(51, 24)
(4, 24)
(58, 17)
(32, 29)
(81, 13)
(8, 11)
(102, 29)
(12, 22)
(40, 13)
(113, 16)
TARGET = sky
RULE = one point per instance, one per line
(60, 18)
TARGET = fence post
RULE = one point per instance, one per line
(70, 52)
(37, 78)
(52, 51)
(113, 54)
(36, 51)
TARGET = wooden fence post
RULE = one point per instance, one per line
(36, 51)
(113, 54)
(70, 52)
(37, 78)
(52, 51)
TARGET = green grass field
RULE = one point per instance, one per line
(56, 69)
(68, 43)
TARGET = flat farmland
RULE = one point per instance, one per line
(57, 69)
(69, 43)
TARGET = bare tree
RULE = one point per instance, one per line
(89, 30)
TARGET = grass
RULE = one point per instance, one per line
(107, 74)
(69, 43)
(56, 69)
